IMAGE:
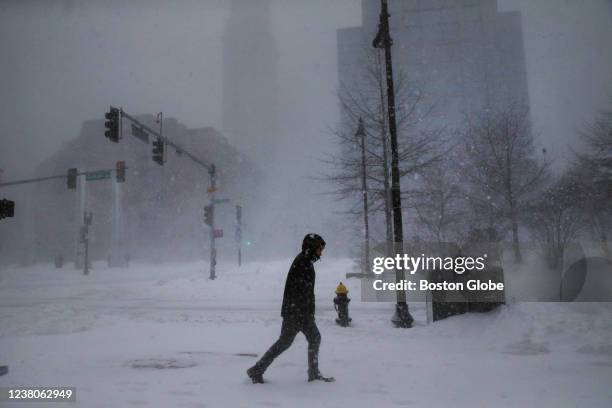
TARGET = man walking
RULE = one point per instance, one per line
(298, 312)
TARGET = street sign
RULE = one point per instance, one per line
(218, 233)
(140, 133)
(98, 175)
(221, 200)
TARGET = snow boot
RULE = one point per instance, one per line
(320, 377)
(255, 376)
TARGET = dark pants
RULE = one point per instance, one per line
(291, 327)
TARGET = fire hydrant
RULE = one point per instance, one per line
(341, 302)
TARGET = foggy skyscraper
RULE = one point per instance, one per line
(250, 81)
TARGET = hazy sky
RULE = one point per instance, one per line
(65, 61)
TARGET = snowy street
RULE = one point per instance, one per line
(166, 336)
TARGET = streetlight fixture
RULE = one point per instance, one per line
(401, 317)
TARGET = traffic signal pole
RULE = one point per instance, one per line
(87, 221)
(62, 176)
(76, 181)
(142, 129)
(239, 233)
(34, 180)
(116, 258)
(167, 141)
(213, 249)
(117, 254)
(81, 199)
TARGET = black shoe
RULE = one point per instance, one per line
(319, 377)
(256, 377)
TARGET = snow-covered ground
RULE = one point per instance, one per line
(166, 336)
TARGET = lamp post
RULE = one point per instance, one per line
(361, 134)
(401, 317)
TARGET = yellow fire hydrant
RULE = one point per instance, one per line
(341, 302)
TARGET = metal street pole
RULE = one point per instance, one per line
(239, 233)
(401, 317)
(86, 261)
(116, 258)
(28, 241)
(213, 250)
(80, 209)
(364, 189)
(87, 220)
(159, 118)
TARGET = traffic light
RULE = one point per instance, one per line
(7, 208)
(208, 215)
(72, 176)
(158, 151)
(120, 170)
(238, 213)
(112, 124)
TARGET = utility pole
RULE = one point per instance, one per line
(116, 214)
(87, 220)
(117, 258)
(386, 167)
(80, 209)
(27, 258)
(159, 212)
(239, 233)
(401, 317)
(364, 188)
(213, 251)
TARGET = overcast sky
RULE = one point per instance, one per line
(65, 61)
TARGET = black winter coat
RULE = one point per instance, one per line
(299, 299)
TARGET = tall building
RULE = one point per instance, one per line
(463, 55)
(250, 81)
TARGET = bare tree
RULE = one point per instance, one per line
(593, 166)
(440, 202)
(598, 136)
(557, 216)
(503, 171)
(418, 147)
